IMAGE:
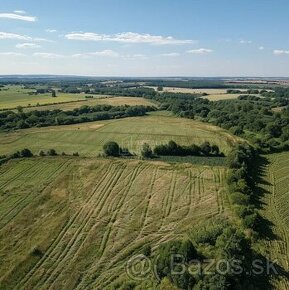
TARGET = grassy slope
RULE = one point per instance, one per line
(87, 217)
(13, 96)
(213, 94)
(18, 96)
(97, 100)
(274, 187)
(88, 138)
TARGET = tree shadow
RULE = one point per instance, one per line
(264, 226)
(263, 270)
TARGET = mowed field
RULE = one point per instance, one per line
(89, 138)
(97, 100)
(276, 212)
(14, 96)
(73, 223)
(213, 94)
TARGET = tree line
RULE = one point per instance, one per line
(21, 120)
(112, 148)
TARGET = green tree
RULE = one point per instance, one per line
(53, 94)
(206, 148)
(146, 151)
(26, 153)
(51, 152)
(111, 149)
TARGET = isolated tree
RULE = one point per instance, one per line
(206, 148)
(26, 153)
(111, 149)
(160, 88)
(215, 150)
(19, 109)
(53, 94)
(51, 152)
(146, 151)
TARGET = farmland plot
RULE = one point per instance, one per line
(91, 216)
(276, 211)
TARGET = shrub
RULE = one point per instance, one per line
(111, 149)
(51, 152)
(146, 151)
(26, 153)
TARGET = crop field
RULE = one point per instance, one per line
(14, 96)
(97, 100)
(220, 97)
(89, 138)
(193, 91)
(213, 94)
(73, 223)
(276, 212)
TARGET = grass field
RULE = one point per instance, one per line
(220, 97)
(213, 94)
(275, 211)
(193, 91)
(73, 223)
(14, 96)
(98, 100)
(88, 138)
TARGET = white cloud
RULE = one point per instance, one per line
(171, 54)
(126, 37)
(261, 47)
(11, 54)
(27, 45)
(48, 55)
(134, 56)
(51, 30)
(14, 36)
(6, 35)
(18, 17)
(105, 53)
(19, 11)
(200, 51)
(246, 41)
(280, 52)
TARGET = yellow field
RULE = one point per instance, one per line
(219, 97)
(74, 223)
(192, 91)
(213, 94)
(97, 100)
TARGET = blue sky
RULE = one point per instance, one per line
(145, 37)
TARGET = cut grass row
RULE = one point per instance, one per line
(89, 138)
(97, 214)
(275, 211)
(213, 94)
(97, 100)
(12, 97)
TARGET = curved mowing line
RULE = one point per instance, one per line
(17, 175)
(118, 208)
(26, 199)
(149, 193)
(62, 233)
(59, 257)
(72, 245)
(107, 234)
